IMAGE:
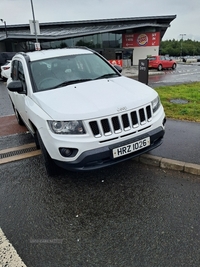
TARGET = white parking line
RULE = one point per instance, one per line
(8, 254)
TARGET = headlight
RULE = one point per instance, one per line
(66, 127)
(155, 104)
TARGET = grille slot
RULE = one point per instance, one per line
(121, 123)
(142, 116)
(134, 118)
(106, 127)
(95, 128)
(126, 122)
(148, 110)
(116, 124)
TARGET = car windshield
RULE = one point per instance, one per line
(57, 72)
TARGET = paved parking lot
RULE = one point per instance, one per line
(131, 214)
(128, 215)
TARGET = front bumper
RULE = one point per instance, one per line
(102, 157)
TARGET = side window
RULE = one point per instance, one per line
(18, 73)
(14, 74)
(21, 76)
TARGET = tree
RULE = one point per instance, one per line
(174, 47)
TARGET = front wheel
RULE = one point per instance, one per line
(174, 66)
(160, 67)
(51, 168)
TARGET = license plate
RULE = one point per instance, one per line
(127, 149)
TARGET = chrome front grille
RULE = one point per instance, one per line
(121, 123)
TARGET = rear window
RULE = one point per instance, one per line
(151, 58)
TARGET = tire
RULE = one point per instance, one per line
(37, 144)
(51, 168)
(174, 66)
(18, 117)
(160, 67)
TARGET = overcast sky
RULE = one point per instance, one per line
(187, 11)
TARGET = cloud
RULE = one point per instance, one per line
(187, 21)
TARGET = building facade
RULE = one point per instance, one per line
(124, 39)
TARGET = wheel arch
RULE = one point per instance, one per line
(174, 65)
(34, 134)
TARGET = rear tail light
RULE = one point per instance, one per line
(6, 68)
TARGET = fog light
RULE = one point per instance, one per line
(68, 152)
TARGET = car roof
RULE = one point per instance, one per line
(51, 53)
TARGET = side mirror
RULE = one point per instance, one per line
(15, 86)
(117, 67)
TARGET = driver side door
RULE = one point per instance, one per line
(19, 99)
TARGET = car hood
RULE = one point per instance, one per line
(93, 99)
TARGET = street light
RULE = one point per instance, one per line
(182, 34)
(3, 21)
(34, 23)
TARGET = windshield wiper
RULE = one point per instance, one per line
(108, 75)
(71, 82)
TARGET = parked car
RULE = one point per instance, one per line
(5, 70)
(5, 56)
(161, 62)
(82, 112)
(119, 68)
(184, 59)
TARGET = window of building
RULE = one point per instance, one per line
(105, 40)
(69, 42)
(89, 41)
(119, 39)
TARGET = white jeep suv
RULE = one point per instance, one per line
(81, 111)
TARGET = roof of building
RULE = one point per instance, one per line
(62, 30)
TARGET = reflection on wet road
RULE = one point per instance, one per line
(183, 74)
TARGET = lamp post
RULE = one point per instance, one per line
(3, 21)
(34, 23)
(182, 34)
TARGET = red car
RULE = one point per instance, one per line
(161, 62)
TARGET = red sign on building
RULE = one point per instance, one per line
(141, 39)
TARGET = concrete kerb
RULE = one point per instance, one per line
(171, 164)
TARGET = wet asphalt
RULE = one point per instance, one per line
(125, 216)
(181, 142)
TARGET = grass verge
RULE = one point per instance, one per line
(190, 92)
